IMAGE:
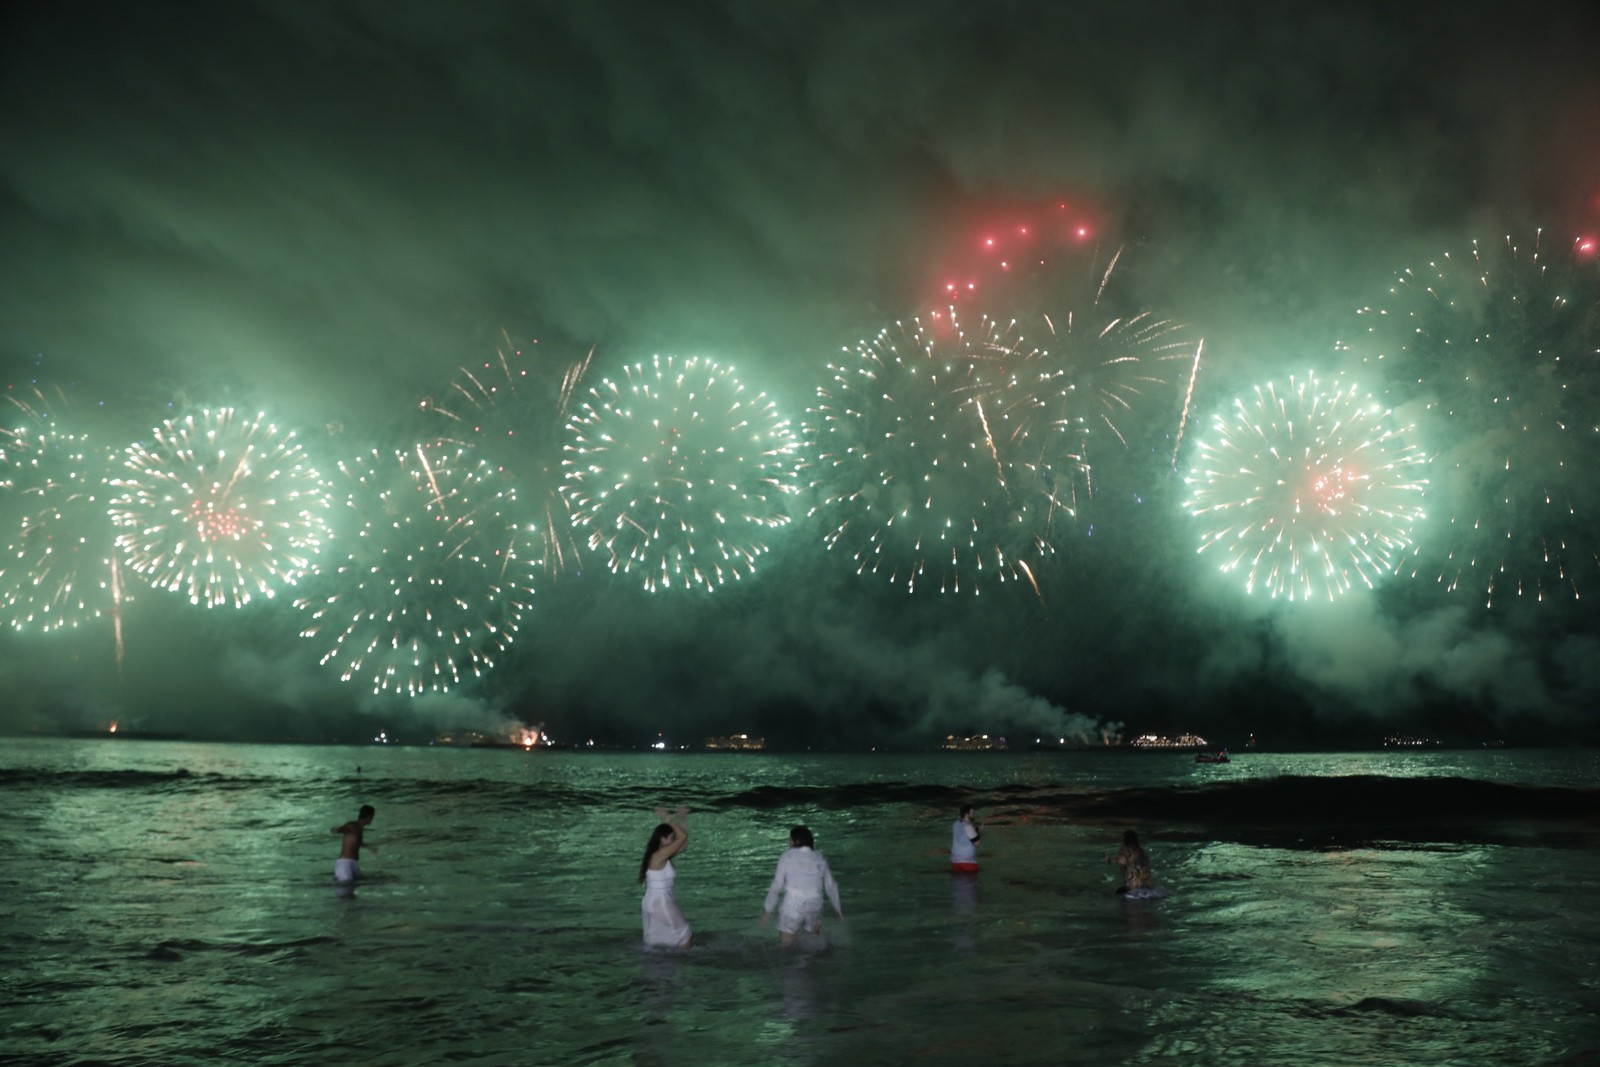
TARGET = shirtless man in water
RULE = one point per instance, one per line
(348, 868)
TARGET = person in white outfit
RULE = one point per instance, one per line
(964, 837)
(664, 925)
(803, 878)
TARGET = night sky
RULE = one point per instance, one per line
(323, 211)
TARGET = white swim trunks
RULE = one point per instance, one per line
(346, 870)
(799, 912)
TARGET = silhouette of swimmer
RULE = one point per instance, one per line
(1134, 862)
(347, 868)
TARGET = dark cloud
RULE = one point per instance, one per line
(323, 210)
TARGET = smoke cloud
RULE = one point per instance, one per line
(326, 212)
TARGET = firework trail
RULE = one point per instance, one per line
(1089, 381)
(1496, 350)
(1105, 377)
(512, 411)
(221, 508)
(1188, 401)
(930, 470)
(60, 568)
(1308, 490)
(678, 474)
(427, 576)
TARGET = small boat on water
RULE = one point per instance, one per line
(1219, 756)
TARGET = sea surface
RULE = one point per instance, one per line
(172, 903)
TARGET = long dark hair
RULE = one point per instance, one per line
(1130, 839)
(659, 835)
(802, 838)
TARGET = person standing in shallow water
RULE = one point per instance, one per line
(664, 925)
(1134, 862)
(964, 837)
(347, 868)
(803, 878)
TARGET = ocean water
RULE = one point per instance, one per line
(172, 903)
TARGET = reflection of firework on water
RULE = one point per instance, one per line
(1497, 348)
(60, 567)
(428, 574)
(1309, 490)
(930, 470)
(221, 508)
(678, 474)
(512, 411)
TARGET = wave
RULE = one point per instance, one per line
(1358, 796)
(1363, 798)
(29, 778)
(1307, 812)
(1319, 812)
(175, 949)
(1287, 811)
(376, 789)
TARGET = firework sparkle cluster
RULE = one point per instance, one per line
(1496, 347)
(60, 567)
(1308, 489)
(953, 452)
(429, 574)
(678, 475)
(511, 410)
(220, 508)
(927, 474)
(951, 457)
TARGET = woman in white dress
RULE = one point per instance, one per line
(664, 924)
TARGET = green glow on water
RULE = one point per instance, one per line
(192, 919)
